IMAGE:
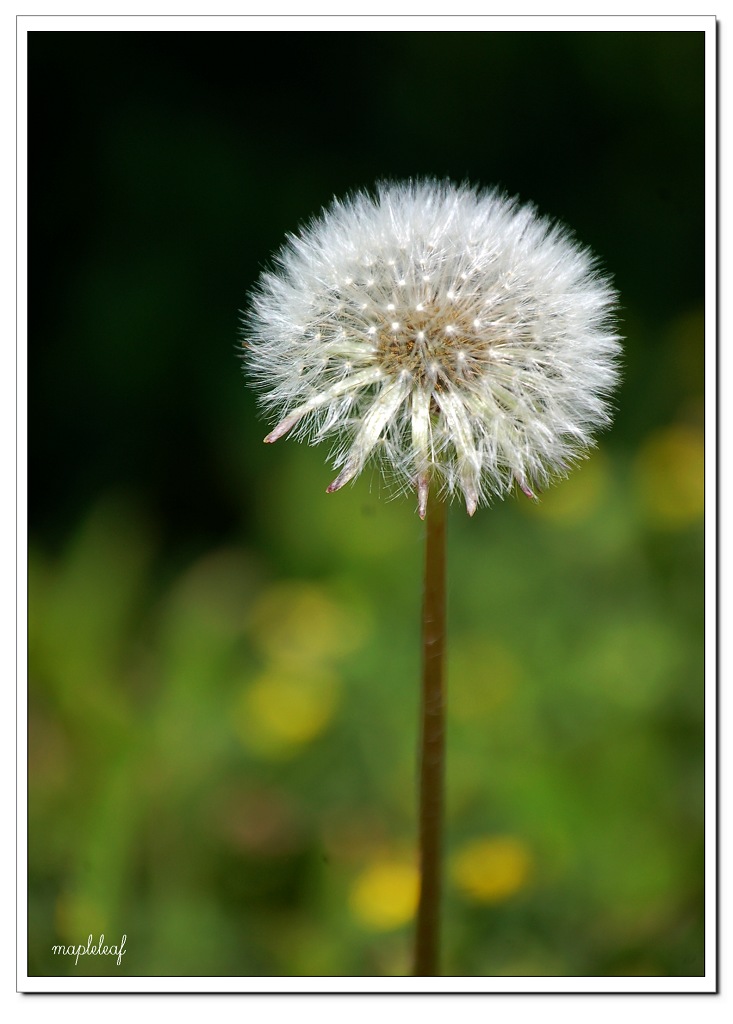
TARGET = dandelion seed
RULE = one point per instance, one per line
(514, 398)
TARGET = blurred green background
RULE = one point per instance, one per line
(224, 660)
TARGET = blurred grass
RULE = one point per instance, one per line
(225, 763)
(224, 660)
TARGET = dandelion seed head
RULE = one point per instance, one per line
(456, 336)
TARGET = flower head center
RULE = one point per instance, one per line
(430, 342)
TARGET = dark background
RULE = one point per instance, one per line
(193, 592)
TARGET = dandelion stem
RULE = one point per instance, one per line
(432, 743)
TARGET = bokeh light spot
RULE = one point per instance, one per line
(573, 500)
(484, 676)
(78, 915)
(281, 711)
(300, 623)
(385, 894)
(670, 476)
(491, 870)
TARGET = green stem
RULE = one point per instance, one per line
(432, 744)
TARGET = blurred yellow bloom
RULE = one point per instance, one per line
(491, 870)
(300, 623)
(670, 474)
(576, 498)
(484, 675)
(384, 896)
(282, 710)
(77, 915)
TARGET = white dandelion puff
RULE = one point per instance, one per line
(455, 335)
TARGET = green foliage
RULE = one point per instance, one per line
(216, 762)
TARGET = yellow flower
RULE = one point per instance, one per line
(491, 870)
(671, 476)
(282, 710)
(385, 894)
